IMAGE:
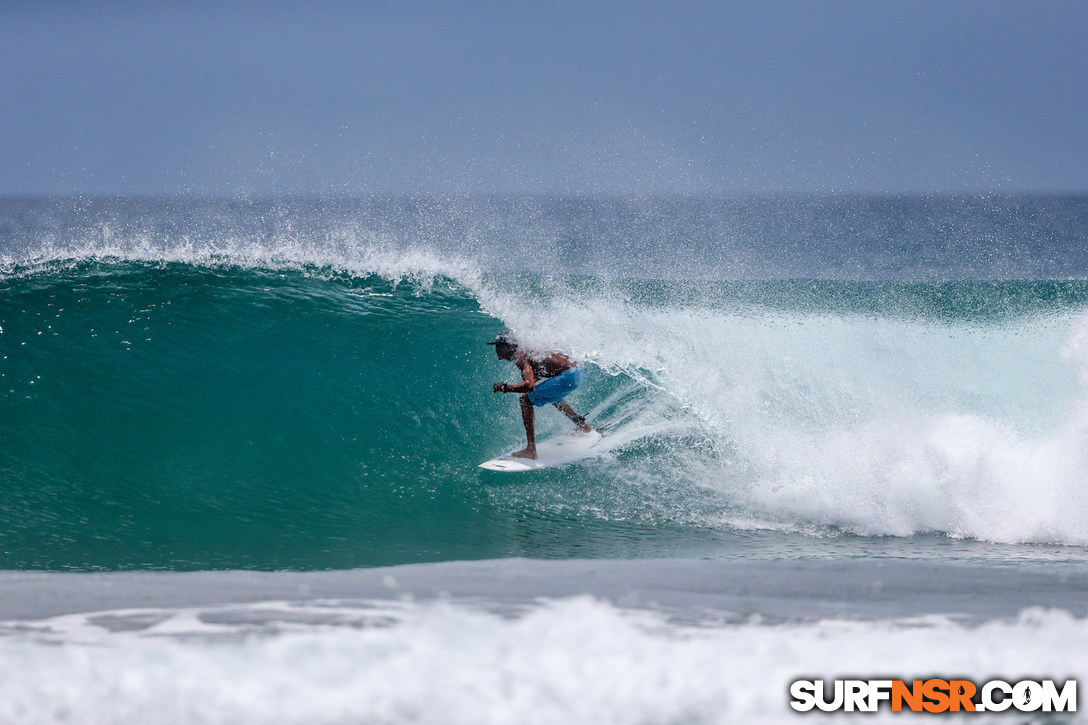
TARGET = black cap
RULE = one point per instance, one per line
(505, 338)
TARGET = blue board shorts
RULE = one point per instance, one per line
(553, 390)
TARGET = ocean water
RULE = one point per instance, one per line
(238, 448)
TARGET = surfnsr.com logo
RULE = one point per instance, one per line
(934, 695)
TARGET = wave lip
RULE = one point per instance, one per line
(849, 238)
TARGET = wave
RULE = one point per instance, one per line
(217, 410)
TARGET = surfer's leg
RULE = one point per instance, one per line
(568, 411)
(528, 417)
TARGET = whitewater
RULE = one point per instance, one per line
(843, 437)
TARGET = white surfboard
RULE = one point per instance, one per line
(557, 451)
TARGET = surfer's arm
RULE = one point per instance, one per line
(527, 384)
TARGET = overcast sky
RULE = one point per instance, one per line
(543, 97)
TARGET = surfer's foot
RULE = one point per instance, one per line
(585, 428)
(525, 453)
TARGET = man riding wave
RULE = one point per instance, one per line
(546, 378)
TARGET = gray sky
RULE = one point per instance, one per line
(543, 97)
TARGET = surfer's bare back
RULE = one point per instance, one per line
(559, 377)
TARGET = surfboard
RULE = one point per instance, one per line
(557, 451)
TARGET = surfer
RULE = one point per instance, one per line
(559, 377)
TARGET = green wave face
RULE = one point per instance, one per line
(172, 416)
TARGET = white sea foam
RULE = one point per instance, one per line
(878, 426)
(572, 660)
